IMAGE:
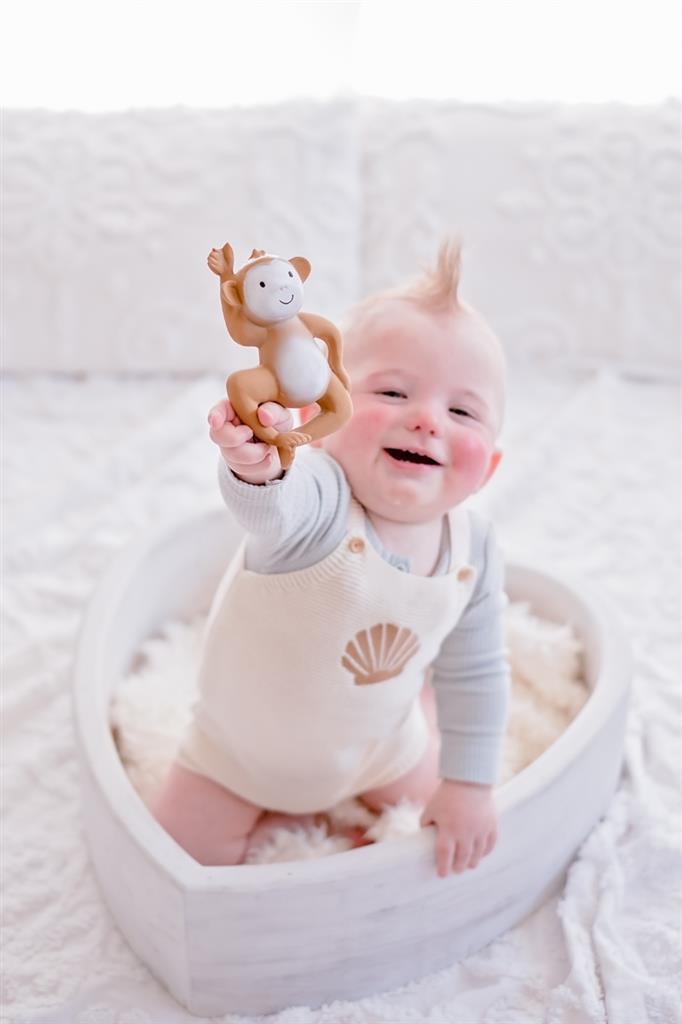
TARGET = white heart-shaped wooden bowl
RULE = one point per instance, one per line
(257, 939)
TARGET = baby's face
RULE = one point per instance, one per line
(428, 393)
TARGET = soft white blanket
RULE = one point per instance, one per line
(590, 483)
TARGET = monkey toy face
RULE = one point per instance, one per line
(273, 291)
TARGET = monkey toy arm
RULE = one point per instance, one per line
(221, 262)
(331, 336)
(240, 329)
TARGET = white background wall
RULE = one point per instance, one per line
(215, 53)
(358, 134)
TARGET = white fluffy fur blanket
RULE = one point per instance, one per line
(152, 707)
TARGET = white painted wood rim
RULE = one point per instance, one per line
(99, 662)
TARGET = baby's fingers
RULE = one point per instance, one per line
(490, 843)
(462, 856)
(230, 436)
(271, 414)
(220, 413)
(249, 455)
(445, 849)
(477, 853)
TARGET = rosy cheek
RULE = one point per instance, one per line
(471, 455)
(371, 421)
(377, 417)
(358, 436)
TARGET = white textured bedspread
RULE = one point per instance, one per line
(590, 483)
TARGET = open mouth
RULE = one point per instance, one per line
(288, 302)
(403, 455)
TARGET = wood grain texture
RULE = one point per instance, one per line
(257, 939)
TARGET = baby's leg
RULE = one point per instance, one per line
(211, 823)
(420, 783)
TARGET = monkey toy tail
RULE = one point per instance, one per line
(286, 456)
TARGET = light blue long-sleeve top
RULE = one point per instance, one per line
(298, 520)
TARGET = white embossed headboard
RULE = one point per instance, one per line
(571, 218)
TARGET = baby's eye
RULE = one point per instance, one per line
(390, 393)
(457, 411)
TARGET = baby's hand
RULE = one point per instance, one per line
(464, 814)
(249, 459)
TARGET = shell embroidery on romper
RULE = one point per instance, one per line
(379, 653)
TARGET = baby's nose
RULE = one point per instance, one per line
(426, 419)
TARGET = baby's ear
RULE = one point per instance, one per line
(230, 293)
(492, 466)
(302, 266)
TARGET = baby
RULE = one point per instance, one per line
(361, 575)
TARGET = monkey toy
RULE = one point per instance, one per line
(261, 304)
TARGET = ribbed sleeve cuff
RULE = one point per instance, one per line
(255, 505)
(470, 759)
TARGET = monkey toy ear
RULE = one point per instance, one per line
(302, 265)
(230, 293)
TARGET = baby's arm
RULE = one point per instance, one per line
(471, 683)
(252, 461)
(294, 518)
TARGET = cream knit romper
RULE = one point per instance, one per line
(310, 680)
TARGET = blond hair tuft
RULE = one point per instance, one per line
(438, 287)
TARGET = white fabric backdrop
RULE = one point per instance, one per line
(571, 218)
